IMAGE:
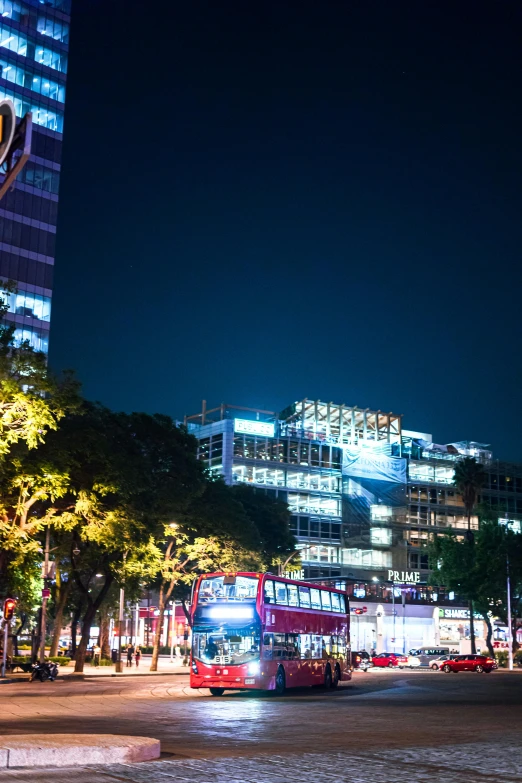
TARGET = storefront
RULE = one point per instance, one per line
(454, 628)
(384, 627)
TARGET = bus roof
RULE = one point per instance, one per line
(265, 574)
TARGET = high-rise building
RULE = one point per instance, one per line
(34, 41)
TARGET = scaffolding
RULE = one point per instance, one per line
(342, 424)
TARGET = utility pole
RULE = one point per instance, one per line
(510, 629)
(45, 597)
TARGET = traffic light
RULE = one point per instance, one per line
(9, 607)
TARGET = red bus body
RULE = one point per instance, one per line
(244, 637)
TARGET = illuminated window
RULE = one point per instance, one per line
(42, 115)
(29, 305)
(35, 82)
(380, 535)
(53, 28)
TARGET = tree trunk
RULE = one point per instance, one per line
(87, 621)
(74, 626)
(489, 636)
(35, 641)
(472, 628)
(104, 635)
(84, 641)
(62, 597)
(186, 612)
(159, 629)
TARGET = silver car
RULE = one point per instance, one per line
(438, 663)
(425, 656)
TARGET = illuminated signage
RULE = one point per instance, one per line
(404, 577)
(454, 614)
(230, 612)
(264, 428)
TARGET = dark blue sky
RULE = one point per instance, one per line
(263, 201)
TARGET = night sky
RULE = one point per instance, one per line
(268, 200)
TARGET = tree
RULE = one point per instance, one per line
(469, 479)
(32, 402)
(214, 533)
(477, 570)
(225, 529)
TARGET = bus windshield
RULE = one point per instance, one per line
(228, 588)
(226, 645)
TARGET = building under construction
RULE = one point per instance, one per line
(365, 494)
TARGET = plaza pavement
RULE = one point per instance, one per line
(384, 727)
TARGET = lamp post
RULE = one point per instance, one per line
(510, 629)
(171, 629)
(119, 662)
(45, 597)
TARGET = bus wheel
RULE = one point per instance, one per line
(280, 682)
(336, 676)
(328, 677)
(217, 691)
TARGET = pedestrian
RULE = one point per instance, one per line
(96, 654)
(137, 656)
(178, 651)
(130, 653)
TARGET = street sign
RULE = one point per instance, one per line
(46, 592)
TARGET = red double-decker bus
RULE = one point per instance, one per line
(265, 632)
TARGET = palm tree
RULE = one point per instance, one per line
(469, 479)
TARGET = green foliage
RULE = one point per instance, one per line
(502, 658)
(469, 480)
(61, 659)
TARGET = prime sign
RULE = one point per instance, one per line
(404, 577)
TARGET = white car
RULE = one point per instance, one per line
(438, 663)
(413, 662)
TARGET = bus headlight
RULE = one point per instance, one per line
(195, 667)
(254, 668)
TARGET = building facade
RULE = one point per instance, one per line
(34, 41)
(365, 495)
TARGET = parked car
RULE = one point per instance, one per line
(438, 663)
(469, 663)
(390, 660)
(423, 656)
(361, 660)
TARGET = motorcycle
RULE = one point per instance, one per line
(44, 671)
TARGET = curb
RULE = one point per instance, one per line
(82, 676)
(69, 750)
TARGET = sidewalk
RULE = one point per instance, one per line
(165, 667)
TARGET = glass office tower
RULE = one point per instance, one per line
(34, 40)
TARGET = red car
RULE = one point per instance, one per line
(469, 663)
(390, 660)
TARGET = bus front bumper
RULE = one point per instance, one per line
(231, 682)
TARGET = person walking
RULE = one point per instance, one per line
(137, 656)
(96, 654)
(130, 653)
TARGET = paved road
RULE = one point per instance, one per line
(384, 727)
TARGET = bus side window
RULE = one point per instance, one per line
(304, 597)
(269, 592)
(315, 598)
(280, 589)
(335, 602)
(305, 645)
(326, 600)
(268, 646)
(280, 646)
(317, 646)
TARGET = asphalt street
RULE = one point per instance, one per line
(383, 727)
